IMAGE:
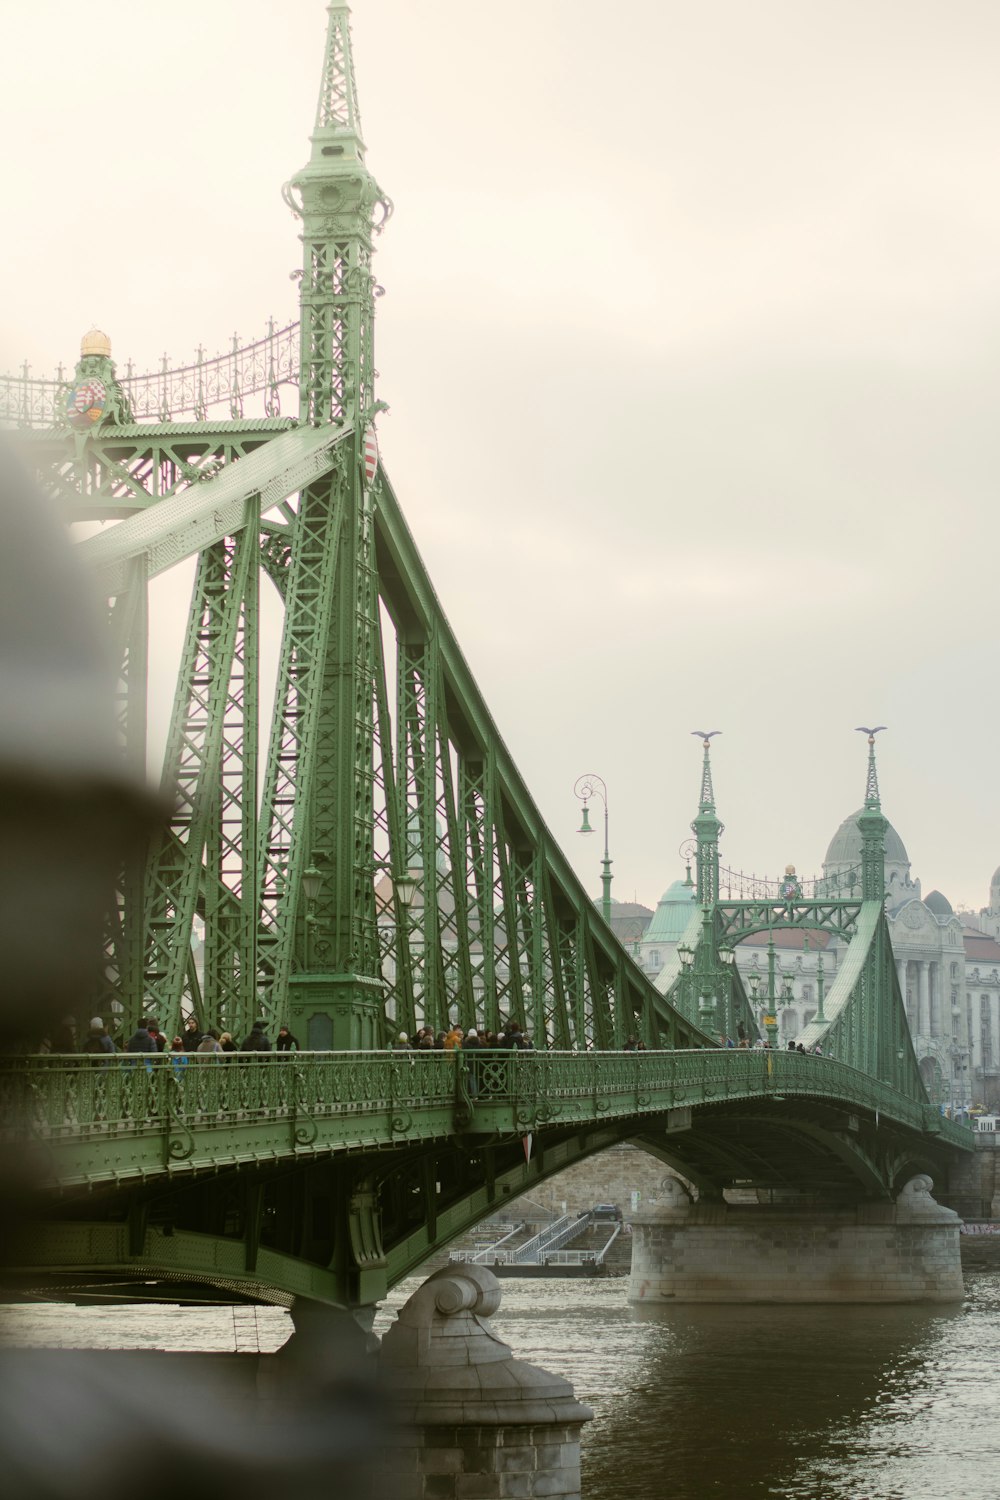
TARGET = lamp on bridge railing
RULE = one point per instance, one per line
(686, 956)
(727, 953)
(586, 787)
(763, 1009)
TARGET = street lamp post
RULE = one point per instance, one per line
(686, 956)
(586, 787)
(728, 956)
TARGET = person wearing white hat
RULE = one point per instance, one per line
(98, 1040)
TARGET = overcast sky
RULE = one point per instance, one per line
(691, 340)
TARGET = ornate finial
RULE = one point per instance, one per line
(707, 802)
(871, 786)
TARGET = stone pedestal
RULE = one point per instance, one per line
(907, 1251)
(474, 1421)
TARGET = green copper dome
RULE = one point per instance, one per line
(672, 915)
(845, 846)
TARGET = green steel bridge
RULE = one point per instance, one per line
(373, 864)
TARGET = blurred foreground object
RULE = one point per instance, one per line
(69, 809)
(78, 1424)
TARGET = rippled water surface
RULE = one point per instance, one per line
(799, 1403)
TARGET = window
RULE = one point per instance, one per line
(654, 959)
(954, 971)
(984, 1007)
(807, 992)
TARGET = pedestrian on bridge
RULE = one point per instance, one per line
(98, 1040)
(153, 1027)
(192, 1034)
(256, 1041)
(471, 1044)
(210, 1042)
(286, 1041)
(140, 1040)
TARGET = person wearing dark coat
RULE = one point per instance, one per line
(153, 1027)
(192, 1034)
(98, 1040)
(512, 1036)
(256, 1041)
(286, 1041)
(141, 1041)
(472, 1042)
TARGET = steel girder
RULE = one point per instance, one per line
(116, 472)
(739, 920)
(210, 776)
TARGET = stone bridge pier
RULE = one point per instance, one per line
(470, 1419)
(902, 1251)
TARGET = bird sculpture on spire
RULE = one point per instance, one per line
(701, 734)
(871, 787)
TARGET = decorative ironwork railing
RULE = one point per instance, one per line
(737, 885)
(350, 1100)
(168, 394)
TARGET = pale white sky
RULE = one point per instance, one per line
(690, 339)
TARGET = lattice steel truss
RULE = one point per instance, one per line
(275, 890)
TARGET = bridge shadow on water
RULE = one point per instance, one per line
(801, 1403)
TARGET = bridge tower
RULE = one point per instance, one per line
(317, 818)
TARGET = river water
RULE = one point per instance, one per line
(732, 1403)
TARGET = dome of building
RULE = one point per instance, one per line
(845, 846)
(938, 904)
(95, 342)
(672, 915)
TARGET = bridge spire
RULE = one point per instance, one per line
(338, 119)
(706, 827)
(341, 207)
(873, 824)
(316, 855)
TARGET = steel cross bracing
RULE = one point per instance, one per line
(381, 759)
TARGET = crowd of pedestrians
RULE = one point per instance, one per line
(426, 1039)
(149, 1039)
(195, 1039)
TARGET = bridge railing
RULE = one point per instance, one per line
(68, 1097)
(63, 1096)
